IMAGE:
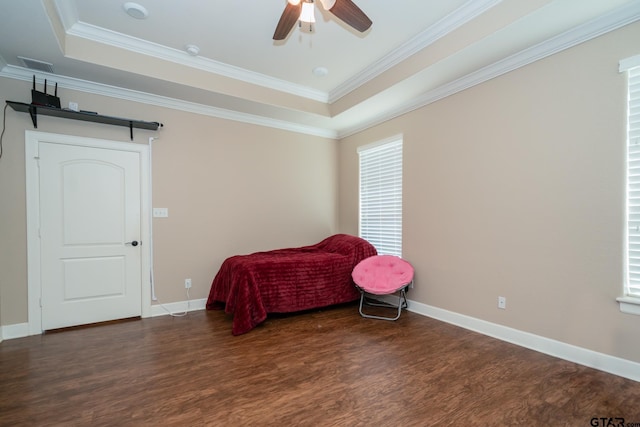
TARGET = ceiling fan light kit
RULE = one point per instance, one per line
(302, 11)
(306, 15)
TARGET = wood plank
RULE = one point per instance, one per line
(324, 367)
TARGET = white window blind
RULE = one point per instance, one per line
(633, 186)
(381, 196)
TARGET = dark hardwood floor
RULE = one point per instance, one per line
(321, 368)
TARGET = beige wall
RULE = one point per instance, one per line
(515, 188)
(230, 188)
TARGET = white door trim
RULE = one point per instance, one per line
(34, 290)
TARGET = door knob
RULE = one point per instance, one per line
(133, 243)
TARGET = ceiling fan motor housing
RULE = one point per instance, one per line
(327, 4)
(345, 10)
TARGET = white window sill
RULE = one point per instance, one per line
(629, 305)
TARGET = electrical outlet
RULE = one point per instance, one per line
(187, 283)
(160, 212)
(502, 303)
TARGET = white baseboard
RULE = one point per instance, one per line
(176, 308)
(582, 356)
(18, 330)
(21, 330)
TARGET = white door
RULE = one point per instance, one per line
(90, 232)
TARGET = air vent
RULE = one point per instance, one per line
(34, 64)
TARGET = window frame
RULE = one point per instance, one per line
(630, 301)
(378, 159)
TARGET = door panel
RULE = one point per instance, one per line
(86, 278)
(92, 190)
(89, 209)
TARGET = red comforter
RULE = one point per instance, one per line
(287, 280)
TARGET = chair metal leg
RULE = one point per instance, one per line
(402, 303)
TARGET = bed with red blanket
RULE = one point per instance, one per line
(287, 280)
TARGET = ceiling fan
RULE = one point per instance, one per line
(299, 10)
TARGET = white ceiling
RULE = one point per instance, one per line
(417, 51)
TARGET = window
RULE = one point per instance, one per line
(632, 279)
(381, 195)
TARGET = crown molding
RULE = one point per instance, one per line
(618, 18)
(465, 13)
(462, 15)
(19, 73)
(67, 12)
(134, 44)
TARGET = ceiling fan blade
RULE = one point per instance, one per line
(351, 14)
(287, 21)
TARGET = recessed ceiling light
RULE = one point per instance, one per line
(192, 49)
(135, 10)
(320, 71)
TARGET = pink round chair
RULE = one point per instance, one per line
(383, 275)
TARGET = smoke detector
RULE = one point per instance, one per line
(136, 10)
(320, 71)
